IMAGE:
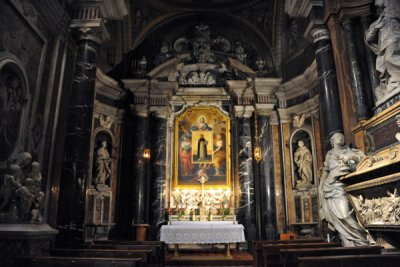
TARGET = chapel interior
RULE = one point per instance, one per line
(269, 128)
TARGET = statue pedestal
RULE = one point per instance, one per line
(18, 240)
(141, 230)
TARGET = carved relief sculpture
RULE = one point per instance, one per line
(383, 38)
(298, 120)
(103, 165)
(303, 160)
(335, 208)
(21, 198)
(384, 210)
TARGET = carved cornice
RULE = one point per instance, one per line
(378, 119)
(301, 8)
(299, 85)
(243, 111)
(345, 9)
(107, 86)
(311, 106)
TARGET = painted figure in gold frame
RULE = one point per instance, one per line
(202, 145)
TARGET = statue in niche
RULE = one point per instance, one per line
(303, 160)
(335, 207)
(103, 165)
(21, 197)
(383, 38)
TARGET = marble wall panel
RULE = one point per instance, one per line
(344, 79)
(279, 190)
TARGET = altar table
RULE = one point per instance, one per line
(219, 232)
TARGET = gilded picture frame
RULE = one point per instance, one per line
(202, 149)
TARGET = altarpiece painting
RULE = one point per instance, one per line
(202, 149)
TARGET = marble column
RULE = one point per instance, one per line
(331, 114)
(76, 165)
(359, 95)
(158, 174)
(246, 211)
(140, 170)
(370, 57)
(266, 185)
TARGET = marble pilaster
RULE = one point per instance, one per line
(75, 170)
(331, 115)
(359, 96)
(246, 208)
(158, 175)
(266, 180)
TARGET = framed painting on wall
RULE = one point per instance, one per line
(202, 148)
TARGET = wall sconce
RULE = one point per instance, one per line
(257, 153)
(146, 153)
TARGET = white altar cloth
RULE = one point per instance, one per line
(202, 233)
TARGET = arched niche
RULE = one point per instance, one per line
(302, 178)
(101, 136)
(14, 104)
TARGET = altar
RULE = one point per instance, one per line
(203, 232)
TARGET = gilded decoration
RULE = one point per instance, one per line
(202, 149)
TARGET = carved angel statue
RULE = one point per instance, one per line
(298, 120)
(105, 121)
(383, 38)
(335, 207)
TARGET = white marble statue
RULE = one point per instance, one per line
(335, 207)
(303, 160)
(103, 162)
(383, 38)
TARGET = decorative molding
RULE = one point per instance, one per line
(379, 160)
(301, 8)
(299, 85)
(309, 107)
(320, 33)
(243, 111)
(107, 86)
(344, 9)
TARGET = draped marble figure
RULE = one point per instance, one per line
(303, 159)
(335, 207)
(103, 162)
(383, 38)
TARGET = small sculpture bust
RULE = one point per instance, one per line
(102, 163)
(303, 160)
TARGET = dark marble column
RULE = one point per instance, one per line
(370, 57)
(158, 174)
(331, 114)
(75, 169)
(140, 170)
(360, 97)
(266, 188)
(246, 211)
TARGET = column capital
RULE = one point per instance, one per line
(320, 33)
(243, 111)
